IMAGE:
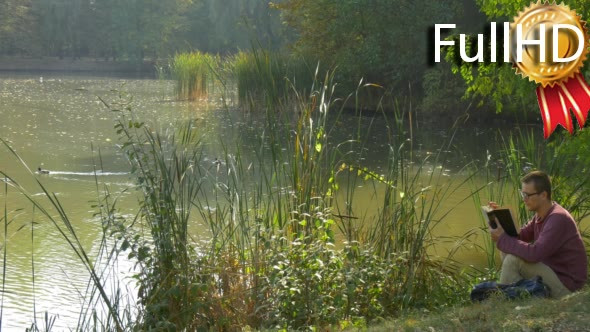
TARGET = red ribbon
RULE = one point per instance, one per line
(557, 101)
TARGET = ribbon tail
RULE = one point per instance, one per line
(556, 102)
(553, 110)
(577, 92)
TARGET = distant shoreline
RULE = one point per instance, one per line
(69, 65)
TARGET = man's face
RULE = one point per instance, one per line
(532, 198)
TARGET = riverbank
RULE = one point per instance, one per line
(290, 258)
(568, 314)
(70, 65)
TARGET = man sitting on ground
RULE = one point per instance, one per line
(549, 245)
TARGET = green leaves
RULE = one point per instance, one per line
(498, 84)
(318, 147)
(134, 30)
(381, 41)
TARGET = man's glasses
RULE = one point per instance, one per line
(527, 195)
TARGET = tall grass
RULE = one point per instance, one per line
(194, 74)
(496, 188)
(412, 193)
(166, 170)
(102, 308)
(273, 258)
(285, 246)
(4, 220)
(261, 78)
(562, 158)
(266, 78)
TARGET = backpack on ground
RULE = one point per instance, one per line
(523, 288)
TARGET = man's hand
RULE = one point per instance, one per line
(496, 232)
(493, 205)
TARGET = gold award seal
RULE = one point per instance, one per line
(548, 73)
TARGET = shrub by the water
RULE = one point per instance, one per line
(273, 259)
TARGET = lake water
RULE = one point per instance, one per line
(58, 123)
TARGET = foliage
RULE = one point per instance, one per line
(16, 20)
(272, 260)
(222, 26)
(497, 83)
(134, 30)
(506, 9)
(443, 91)
(381, 41)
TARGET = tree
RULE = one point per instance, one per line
(499, 84)
(62, 26)
(136, 29)
(132, 30)
(17, 27)
(227, 26)
(382, 41)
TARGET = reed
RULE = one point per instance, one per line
(272, 258)
(411, 192)
(266, 78)
(285, 245)
(193, 74)
(261, 77)
(496, 186)
(101, 309)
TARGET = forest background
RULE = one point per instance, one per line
(385, 42)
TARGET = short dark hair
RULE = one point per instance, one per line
(541, 181)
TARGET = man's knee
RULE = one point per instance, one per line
(510, 269)
(511, 261)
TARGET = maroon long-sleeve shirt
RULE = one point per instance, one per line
(554, 241)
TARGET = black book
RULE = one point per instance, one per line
(502, 215)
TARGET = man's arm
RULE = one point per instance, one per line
(550, 239)
(527, 232)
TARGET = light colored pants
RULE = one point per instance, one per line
(515, 268)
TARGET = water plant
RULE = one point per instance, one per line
(282, 244)
(193, 73)
(272, 257)
(269, 78)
